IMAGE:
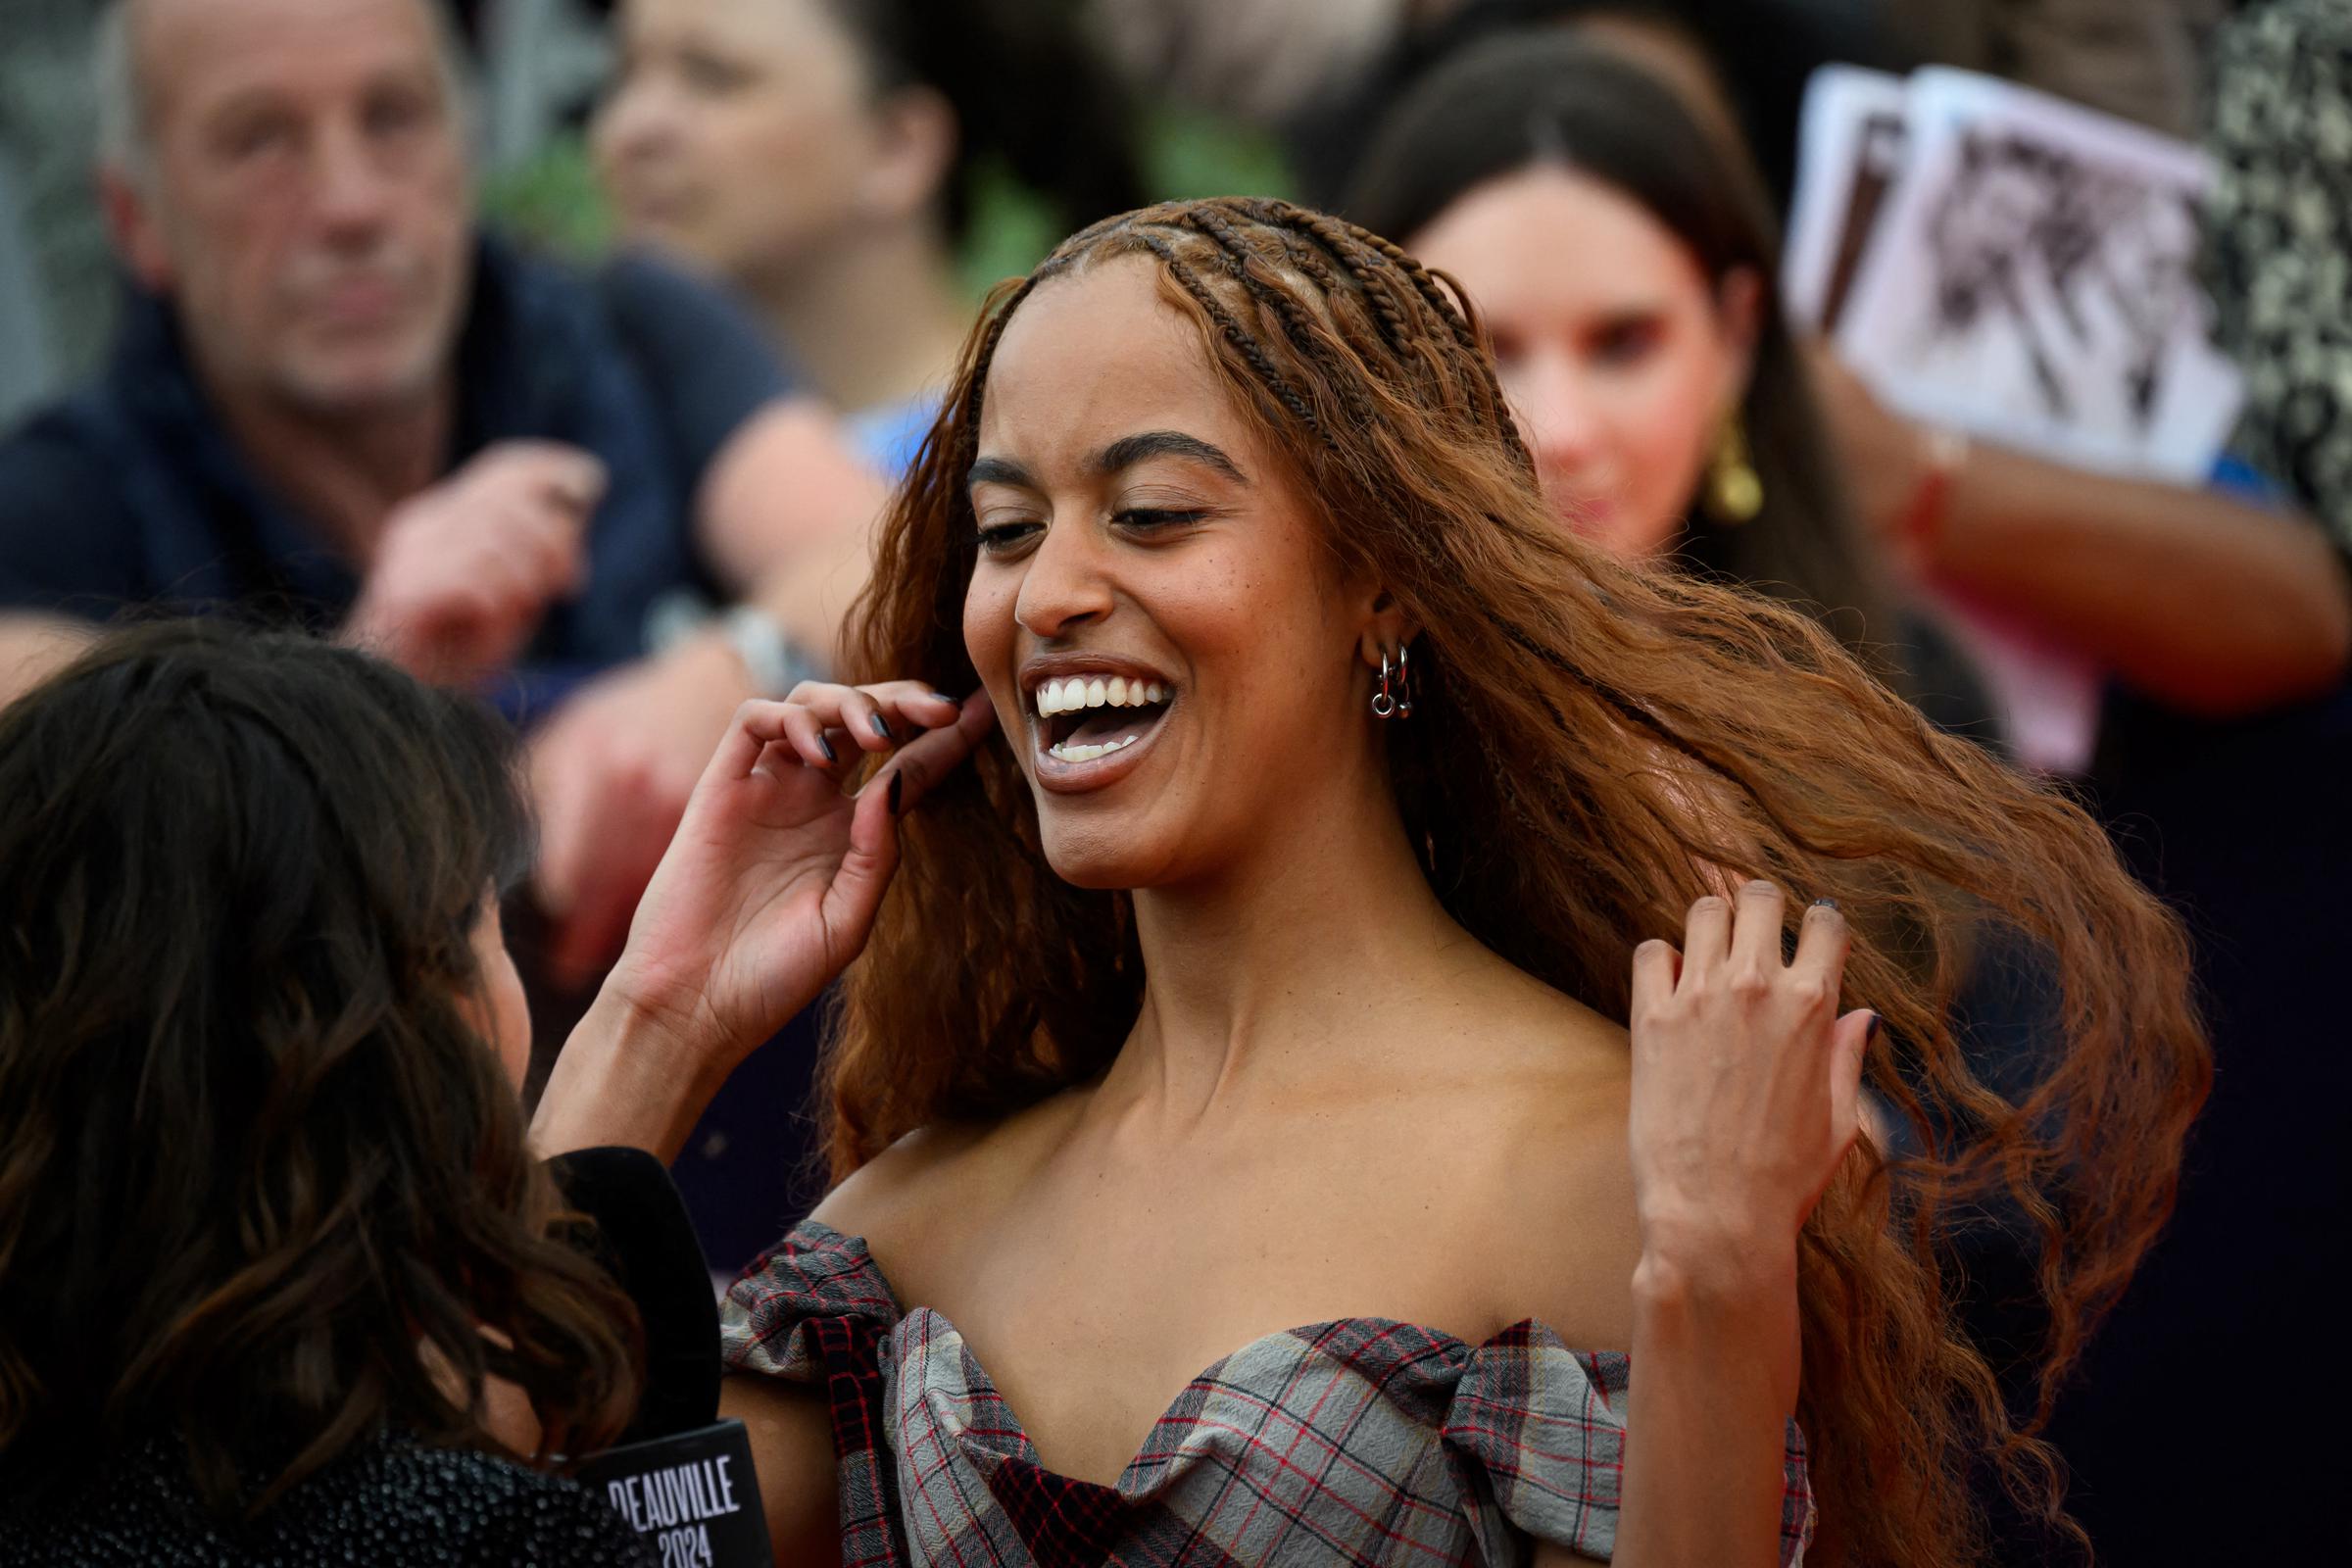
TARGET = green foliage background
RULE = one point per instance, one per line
(552, 202)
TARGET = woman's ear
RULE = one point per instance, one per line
(914, 149)
(1387, 628)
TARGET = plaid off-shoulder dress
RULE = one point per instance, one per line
(1363, 1442)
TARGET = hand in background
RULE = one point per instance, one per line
(1882, 456)
(611, 773)
(466, 569)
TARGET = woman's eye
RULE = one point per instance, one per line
(999, 537)
(1625, 342)
(709, 74)
(1158, 517)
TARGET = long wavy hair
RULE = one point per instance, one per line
(1595, 744)
(263, 1190)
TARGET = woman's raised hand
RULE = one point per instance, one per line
(770, 886)
(1745, 1083)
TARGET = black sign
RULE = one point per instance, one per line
(693, 1496)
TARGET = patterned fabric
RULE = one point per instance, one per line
(387, 1502)
(1363, 1442)
(2280, 228)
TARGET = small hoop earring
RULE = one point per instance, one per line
(1394, 699)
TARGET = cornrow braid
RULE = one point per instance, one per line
(1372, 259)
(1445, 301)
(1296, 324)
(1243, 344)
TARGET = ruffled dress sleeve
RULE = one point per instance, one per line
(816, 1311)
(1538, 1431)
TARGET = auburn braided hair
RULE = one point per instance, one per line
(1593, 737)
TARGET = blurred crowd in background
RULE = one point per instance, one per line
(702, 266)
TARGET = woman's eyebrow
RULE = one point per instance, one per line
(1130, 450)
(998, 470)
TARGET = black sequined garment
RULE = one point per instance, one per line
(388, 1504)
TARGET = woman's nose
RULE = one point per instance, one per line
(635, 122)
(1065, 585)
(1561, 415)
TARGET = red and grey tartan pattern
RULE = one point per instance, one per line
(1363, 1442)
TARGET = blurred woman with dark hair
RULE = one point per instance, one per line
(271, 1241)
(827, 157)
(2202, 604)
(280, 1278)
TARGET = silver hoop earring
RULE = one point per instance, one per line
(1394, 699)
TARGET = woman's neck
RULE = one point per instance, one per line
(875, 320)
(1285, 968)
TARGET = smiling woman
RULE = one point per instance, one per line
(1271, 1128)
(1249, 453)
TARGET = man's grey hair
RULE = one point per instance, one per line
(124, 142)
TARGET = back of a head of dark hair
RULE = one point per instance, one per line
(1031, 98)
(252, 1155)
(1518, 101)
(1524, 99)
(1762, 52)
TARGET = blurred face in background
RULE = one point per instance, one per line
(1620, 357)
(747, 134)
(302, 195)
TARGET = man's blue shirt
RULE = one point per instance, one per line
(129, 492)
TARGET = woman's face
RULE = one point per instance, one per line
(498, 1010)
(1136, 536)
(740, 133)
(1619, 356)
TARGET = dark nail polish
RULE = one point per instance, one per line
(881, 726)
(1870, 1036)
(826, 746)
(896, 780)
(943, 697)
(1825, 904)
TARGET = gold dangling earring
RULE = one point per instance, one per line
(1734, 493)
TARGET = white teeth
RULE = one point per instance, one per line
(1086, 753)
(1070, 695)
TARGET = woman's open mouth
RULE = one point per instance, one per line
(1084, 720)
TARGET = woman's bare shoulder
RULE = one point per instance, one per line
(1555, 1092)
(943, 1177)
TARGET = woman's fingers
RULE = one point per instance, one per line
(873, 855)
(756, 726)
(1849, 1045)
(806, 734)
(1823, 941)
(922, 763)
(1706, 939)
(1759, 909)
(875, 718)
(813, 723)
(863, 875)
(1657, 966)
